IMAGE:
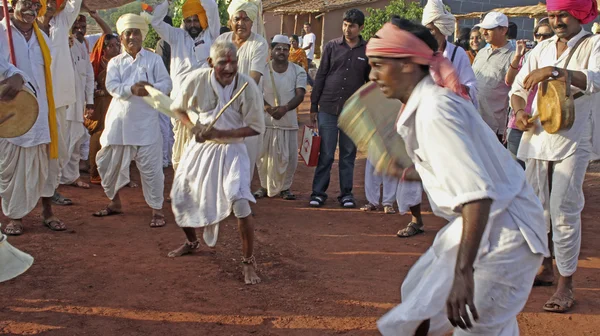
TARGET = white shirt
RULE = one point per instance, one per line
(84, 81)
(460, 159)
(31, 62)
(130, 120)
(286, 83)
(462, 64)
(62, 67)
(537, 143)
(187, 54)
(306, 41)
(252, 55)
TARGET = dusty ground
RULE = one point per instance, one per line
(326, 272)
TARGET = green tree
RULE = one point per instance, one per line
(378, 17)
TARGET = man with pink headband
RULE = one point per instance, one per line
(556, 163)
(495, 239)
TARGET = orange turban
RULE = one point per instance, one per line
(194, 7)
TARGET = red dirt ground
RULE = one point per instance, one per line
(325, 271)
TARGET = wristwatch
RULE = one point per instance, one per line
(555, 73)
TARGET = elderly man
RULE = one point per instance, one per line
(29, 165)
(496, 239)
(57, 24)
(74, 132)
(490, 67)
(284, 90)
(132, 130)
(252, 52)
(213, 178)
(190, 49)
(556, 163)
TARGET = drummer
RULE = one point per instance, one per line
(556, 163)
(29, 164)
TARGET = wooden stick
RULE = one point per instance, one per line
(212, 123)
(11, 47)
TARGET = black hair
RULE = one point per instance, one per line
(307, 24)
(224, 30)
(512, 31)
(463, 38)
(168, 20)
(354, 15)
(295, 38)
(108, 38)
(420, 31)
(476, 29)
(544, 23)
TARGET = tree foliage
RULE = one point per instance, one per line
(409, 10)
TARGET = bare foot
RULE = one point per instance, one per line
(545, 275)
(132, 185)
(186, 248)
(250, 277)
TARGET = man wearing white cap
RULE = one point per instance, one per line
(284, 89)
(132, 127)
(490, 67)
(252, 53)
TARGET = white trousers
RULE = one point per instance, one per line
(254, 147)
(409, 194)
(23, 176)
(75, 136)
(84, 150)
(563, 201)
(113, 166)
(166, 129)
(277, 165)
(373, 182)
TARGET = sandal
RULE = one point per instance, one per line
(287, 195)
(317, 201)
(107, 212)
(560, 303)
(389, 210)
(133, 185)
(410, 230)
(13, 229)
(157, 221)
(58, 199)
(348, 202)
(55, 224)
(260, 193)
(96, 180)
(80, 184)
(369, 207)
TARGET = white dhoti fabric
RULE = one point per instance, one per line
(84, 150)
(182, 137)
(209, 180)
(166, 129)
(254, 147)
(74, 135)
(504, 272)
(373, 182)
(63, 151)
(113, 166)
(23, 175)
(564, 200)
(409, 194)
(277, 165)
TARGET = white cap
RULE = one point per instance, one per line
(281, 39)
(493, 20)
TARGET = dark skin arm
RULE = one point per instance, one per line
(10, 87)
(105, 27)
(280, 111)
(202, 135)
(539, 75)
(256, 76)
(522, 118)
(475, 216)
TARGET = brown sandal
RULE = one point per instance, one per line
(55, 224)
(410, 230)
(560, 303)
(157, 221)
(13, 229)
(107, 212)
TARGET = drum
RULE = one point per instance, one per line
(19, 115)
(369, 119)
(555, 105)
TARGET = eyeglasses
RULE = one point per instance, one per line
(31, 4)
(543, 35)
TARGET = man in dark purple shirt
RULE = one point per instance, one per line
(344, 69)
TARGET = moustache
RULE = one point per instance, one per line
(29, 12)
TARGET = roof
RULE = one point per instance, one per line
(271, 4)
(317, 6)
(535, 11)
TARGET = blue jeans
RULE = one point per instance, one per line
(512, 143)
(329, 132)
(309, 80)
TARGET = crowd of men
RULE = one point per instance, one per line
(235, 98)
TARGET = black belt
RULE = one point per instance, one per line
(578, 95)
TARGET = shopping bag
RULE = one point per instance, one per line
(310, 146)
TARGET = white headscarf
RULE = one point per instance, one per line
(132, 21)
(252, 8)
(435, 12)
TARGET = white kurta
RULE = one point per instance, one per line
(462, 64)
(460, 160)
(214, 175)
(568, 150)
(24, 160)
(132, 129)
(277, 164)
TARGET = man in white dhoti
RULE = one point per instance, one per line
(477, 276)
(284, 89)
(132, 131)
(441, 24)
(57, 23)
(190, 49)
(75, 133)
(253, 53)
(213, 178)
(373, 189)
(29, 165)
(556, 163)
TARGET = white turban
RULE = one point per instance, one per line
(435, 12)
(252, 8)
(596, 28)
(132, 21)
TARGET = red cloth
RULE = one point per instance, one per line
(393, 42)
(583, 10)
(96, 55)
